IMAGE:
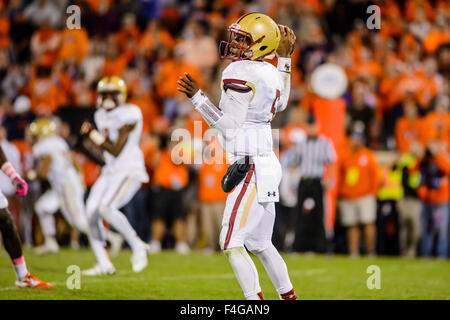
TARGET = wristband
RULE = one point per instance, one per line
(197, 97)
(206, 108)
(284, 64)
(9, 170)
(96, 137)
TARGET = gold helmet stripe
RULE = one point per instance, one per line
(239, 20)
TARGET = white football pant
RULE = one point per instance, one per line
(108, 194)
(70, 198)
(246, 222)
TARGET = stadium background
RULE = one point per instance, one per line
(151, 43)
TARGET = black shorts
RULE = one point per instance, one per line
(168, 204)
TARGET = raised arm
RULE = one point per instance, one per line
(285, 50)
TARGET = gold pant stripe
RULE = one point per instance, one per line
(248, 204)
(123, 192)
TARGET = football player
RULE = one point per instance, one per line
(252, 92)
(119, 131)
(9, 232)
(56, 164)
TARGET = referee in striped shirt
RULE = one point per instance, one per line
(312, 156)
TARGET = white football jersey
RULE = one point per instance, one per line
(255, 135)
(130, 159)
(61, 168)
(13, 155)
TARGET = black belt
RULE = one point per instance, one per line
(310, 179)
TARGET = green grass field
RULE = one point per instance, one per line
(204, 277)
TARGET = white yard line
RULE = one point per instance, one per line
(307, 273)
(54, 283)
(200, 276)
(310, 272)
(8, 288)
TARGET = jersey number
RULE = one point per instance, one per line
(273, 110)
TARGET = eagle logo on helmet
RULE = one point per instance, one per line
(253, 36)
(112, 92)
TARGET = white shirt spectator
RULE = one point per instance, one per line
(43, 11)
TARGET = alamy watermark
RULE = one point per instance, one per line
(374, 21)
(374, 280)
(73, 21)
(200, 149)
(74, 280)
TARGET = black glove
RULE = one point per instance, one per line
(235, 173)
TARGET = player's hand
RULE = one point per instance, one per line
(188, 85)
(86, 128)
(287, 43)
(21, 186)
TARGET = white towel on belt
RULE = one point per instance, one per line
(268, 177)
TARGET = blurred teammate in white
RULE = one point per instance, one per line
(56, 164)
(9, 232)
(120, 129)
(252, 92)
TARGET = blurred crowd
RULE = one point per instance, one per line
(390, 130)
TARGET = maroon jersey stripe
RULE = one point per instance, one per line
(273, 110)
(237, 85)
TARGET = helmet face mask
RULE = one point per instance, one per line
(238, 45)
(253, 37)
(109, 99)
(111, 92)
